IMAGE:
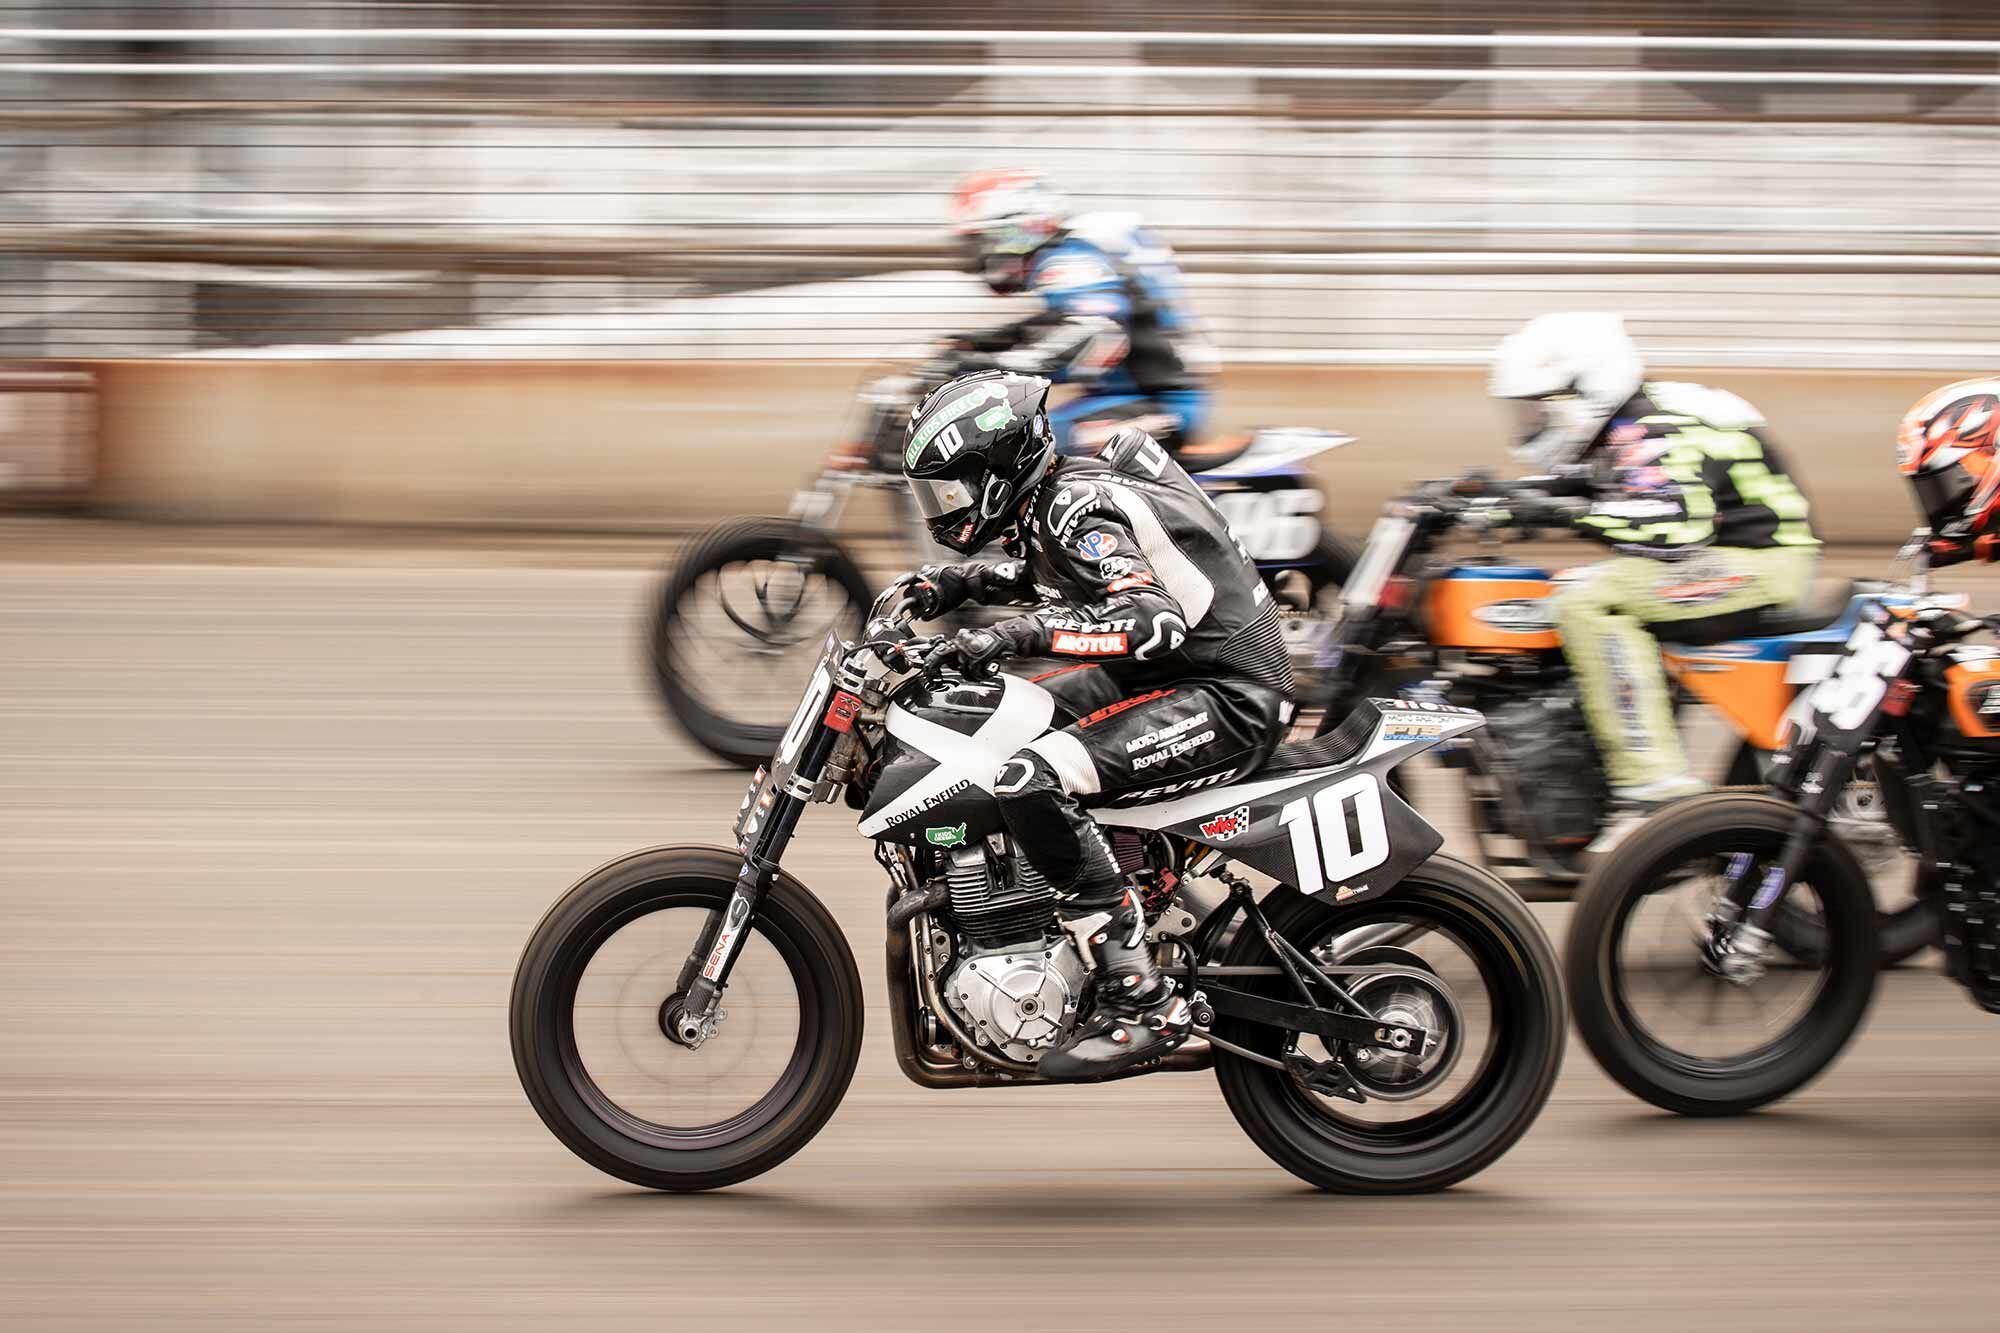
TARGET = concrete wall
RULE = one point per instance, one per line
(678, 444)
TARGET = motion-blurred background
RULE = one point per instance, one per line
(281, 799)
(571, 263)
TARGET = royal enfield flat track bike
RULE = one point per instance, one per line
(688, 1017)
(739, 617)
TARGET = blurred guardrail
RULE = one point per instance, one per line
(1791, 201)
(1360, 215)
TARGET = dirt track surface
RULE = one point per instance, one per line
(271, 837)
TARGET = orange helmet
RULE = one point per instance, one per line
(1946, 447)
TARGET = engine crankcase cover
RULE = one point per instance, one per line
(1019, 1000)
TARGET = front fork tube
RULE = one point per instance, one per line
(1749, 899)
(706, 970)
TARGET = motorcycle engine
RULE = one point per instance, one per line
(1543, 745)
(1018, 985)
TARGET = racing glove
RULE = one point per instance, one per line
(937, 589)
(1949, 548)
(980, 651)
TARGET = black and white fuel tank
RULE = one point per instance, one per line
(946, 746)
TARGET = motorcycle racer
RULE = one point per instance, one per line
(1685, 483)
(1115, 322)
(1180, 678)
(1945, 446)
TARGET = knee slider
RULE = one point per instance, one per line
(1026, 775)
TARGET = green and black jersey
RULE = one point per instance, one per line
(1688, 466)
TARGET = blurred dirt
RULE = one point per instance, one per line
(274, 826)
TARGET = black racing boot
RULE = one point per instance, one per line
(1139, 1017)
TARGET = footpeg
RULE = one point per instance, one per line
(1326, 1077)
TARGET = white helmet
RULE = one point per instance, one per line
(1568, 373)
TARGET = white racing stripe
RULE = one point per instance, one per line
(1179, 574)
(1024, 713)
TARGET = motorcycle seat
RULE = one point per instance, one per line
(1338, 746)
(1214, 451)
(1824, 604)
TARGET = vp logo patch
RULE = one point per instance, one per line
(1096, 545)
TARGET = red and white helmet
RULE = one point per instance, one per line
(1946, 447)
(1004, 217)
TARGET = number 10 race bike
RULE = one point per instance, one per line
(1684, 985)
(736, 621)
(1383, 1020)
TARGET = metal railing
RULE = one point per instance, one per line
(1831, 215)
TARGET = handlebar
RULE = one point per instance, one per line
(887, 636)
(1474, 499)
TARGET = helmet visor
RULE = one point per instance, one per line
(940, 497)
(1942, 494)
(1530, 417)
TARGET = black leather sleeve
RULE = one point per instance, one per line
(1116, 606)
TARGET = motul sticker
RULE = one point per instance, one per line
(1131, 581)
(840, 714)
(1091, 645)
(1224, 827)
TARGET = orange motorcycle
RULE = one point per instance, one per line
(1475, 630)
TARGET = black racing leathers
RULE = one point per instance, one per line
(1181, 678)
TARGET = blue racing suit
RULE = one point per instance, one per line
(1116, 322)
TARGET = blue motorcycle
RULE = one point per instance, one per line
(741, 616)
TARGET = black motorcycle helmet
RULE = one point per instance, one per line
(976, 446)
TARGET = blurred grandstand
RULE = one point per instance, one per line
(1778, 183)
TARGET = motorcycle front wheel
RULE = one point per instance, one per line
(739, 623)
(592, 1006)
(1495, 999)
(1654, 1009)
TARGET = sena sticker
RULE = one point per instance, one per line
(1096, 545)
(1226, 826)
(1116, 566)
(1090, 645)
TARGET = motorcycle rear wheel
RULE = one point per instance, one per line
(1336, 1149)
(612, 1123)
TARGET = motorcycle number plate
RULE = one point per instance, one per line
(1847, 699)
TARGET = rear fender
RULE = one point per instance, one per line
(1335, 830)
(1277, 450)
